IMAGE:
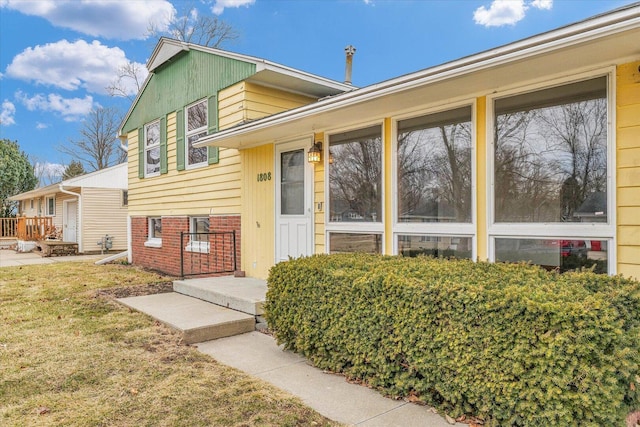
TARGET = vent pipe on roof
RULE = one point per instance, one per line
(349, 51)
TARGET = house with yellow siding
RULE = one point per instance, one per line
(526, 152)
(185, 202)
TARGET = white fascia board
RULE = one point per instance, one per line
(38, 192)
(583, 32)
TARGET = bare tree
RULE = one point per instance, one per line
(188, 26)
(47, 173)
(192, 27)
(129, 80)
(97, 148)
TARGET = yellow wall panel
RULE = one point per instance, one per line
(481, 178)
(629, 215)
(629, 270)
(629, 254)
(628, 137)
(388, 199)
(629, 177)
(628, 74)
(258, 211)
(628, 115)
(628, 168)
(629, 158)
(627, 197)
(318, 199)
(628, 235)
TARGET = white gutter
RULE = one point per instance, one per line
(601, 26)
(123, 147)
(79, 213)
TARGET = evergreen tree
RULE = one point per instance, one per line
(74, 168)
(16, 175)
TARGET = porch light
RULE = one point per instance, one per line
(314, 155)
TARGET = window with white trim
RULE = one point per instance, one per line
(199, 237)
(355, 191)
(50, 206)
(355, 176)
(196, 119)
(551, 176)
(434, 177)
(152, 149)
(154, 236)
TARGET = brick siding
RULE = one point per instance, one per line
(166, 259)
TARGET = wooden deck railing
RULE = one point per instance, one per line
(26, 228)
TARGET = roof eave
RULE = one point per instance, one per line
(600, 26)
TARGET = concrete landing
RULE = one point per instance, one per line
(243, 294)
(197, 320)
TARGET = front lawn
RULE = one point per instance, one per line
(70, 355)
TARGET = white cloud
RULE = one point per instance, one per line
(501, 12)
(70, 66)
(542, 4)
(220, 5)
(122, 20)
(507, 12)
(41, 125)
(7, 113)
(71, 109)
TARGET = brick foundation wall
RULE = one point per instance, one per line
(166, 259)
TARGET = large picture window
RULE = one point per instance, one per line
(355, 176)
(196, 118)
(152, 149)
(551, 173)
(434, 167)
(550, 157)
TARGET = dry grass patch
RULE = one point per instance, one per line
(70, 355)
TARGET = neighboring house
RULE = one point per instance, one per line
(505, 147)
(83, 209)
(193, 91)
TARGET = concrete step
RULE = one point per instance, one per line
(243, 294)
(198, 320)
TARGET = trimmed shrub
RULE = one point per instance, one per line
(512, 344)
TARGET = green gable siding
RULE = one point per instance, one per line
(186, 78)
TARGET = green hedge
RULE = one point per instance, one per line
(509, 343)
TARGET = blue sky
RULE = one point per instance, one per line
(58, 56)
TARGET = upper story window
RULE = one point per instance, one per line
(50, 206)
(196, 119)
(355, 176)
(152, 149)
(125, 197)
(550, 155)
(434, 167)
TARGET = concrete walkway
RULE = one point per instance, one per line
(11, 258)
(331, 395)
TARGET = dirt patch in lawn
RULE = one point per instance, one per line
(136, 291)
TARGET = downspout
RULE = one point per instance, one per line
(79, 228)
(123, 147)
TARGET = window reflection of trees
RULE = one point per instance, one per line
(196, 120)
(355, 176)
(434, 168)
(551, 158)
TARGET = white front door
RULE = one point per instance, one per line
(294, 210)
(70, 220)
